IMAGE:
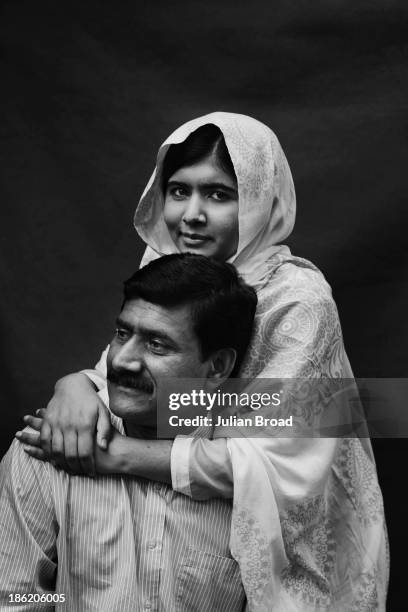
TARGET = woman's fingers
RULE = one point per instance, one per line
(103, 427)
(86, 453)
(57, 446)
(33, 422)
(46, 438)
(30, 438)
(58, 450)
(35, 452)
(71, 451)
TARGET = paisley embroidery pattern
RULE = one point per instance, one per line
(311, 549)
(358, 476)
(335, 541)
(297, 335)
(256, 561)
(367, 596)
(297, 332)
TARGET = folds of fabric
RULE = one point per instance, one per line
(308, 524)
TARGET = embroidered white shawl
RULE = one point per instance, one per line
(308, 525)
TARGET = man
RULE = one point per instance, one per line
(111, 543)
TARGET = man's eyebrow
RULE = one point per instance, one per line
(148, 332)
(151, 331)
(122, 323)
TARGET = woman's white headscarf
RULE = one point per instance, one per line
(267, 202)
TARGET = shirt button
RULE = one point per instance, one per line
(157, 487)
(152, 545)
(148, 604)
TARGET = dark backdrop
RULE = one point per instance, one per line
(90, 89)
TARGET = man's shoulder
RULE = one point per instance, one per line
(21, 472)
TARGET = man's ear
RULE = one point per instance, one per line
(221, 364)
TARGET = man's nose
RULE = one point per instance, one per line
(129, 357)
(195, 210)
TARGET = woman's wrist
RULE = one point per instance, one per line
(77, 378)
(124, 455)
(148, 459)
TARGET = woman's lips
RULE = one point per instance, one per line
(193, 239)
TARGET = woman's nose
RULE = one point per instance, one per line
(195, 210)
(128, 357)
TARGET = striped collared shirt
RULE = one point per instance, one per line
(111, 543)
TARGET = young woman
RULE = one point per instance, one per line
(307, 525)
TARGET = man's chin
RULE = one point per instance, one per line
(127, 403)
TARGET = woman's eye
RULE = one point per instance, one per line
(219, 196)
(178, 193)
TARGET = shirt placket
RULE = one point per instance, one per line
(152, 545)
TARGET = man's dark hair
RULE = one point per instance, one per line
(206, 141)
(222, 305)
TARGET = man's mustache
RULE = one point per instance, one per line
(124, 378)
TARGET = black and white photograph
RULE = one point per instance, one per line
(204, 273)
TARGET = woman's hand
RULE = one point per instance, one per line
(124, 455)
(113, 460)
(74, 416)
